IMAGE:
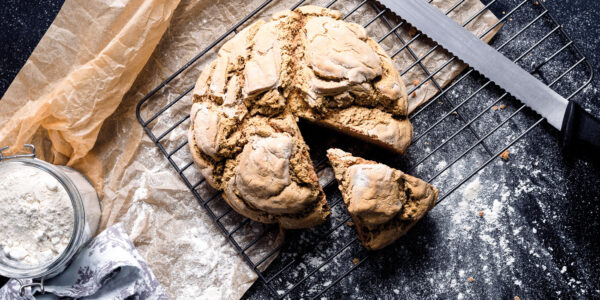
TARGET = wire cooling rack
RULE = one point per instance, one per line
(467, 124)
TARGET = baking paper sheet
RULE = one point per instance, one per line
(75, 100)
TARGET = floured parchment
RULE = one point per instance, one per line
(75, 100)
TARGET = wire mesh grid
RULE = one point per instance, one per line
(458, 132)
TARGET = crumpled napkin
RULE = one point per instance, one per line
(109, 267)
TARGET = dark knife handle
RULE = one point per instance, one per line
(581, 133)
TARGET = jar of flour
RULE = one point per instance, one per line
(47, 213)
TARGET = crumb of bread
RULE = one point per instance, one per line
(355, 261)
(349, 223)
(481, 213)
(414, 94)
(517, 298)
(415, 82)
(471, 279)
(412, 31)
(502, 106)
(504, 155)
(454, 113)
(495, 107)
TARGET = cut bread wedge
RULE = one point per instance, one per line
(384, 203)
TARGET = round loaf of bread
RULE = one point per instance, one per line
(307, 63)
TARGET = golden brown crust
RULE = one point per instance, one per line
(367, 204)
(210, 170)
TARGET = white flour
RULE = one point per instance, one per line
(36, 216)
(472, 189)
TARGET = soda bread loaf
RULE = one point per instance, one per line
(384, 203)
(308, 64)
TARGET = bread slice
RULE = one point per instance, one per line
(384, 203)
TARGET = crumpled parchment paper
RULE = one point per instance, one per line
(75, 100)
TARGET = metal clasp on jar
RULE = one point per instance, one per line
(30, 146)
(23, 286)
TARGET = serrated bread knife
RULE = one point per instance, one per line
(580, 130)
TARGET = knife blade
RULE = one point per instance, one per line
(579, 128)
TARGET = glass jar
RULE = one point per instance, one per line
(86, 213)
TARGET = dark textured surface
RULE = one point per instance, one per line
(538, 238)
(22, 23)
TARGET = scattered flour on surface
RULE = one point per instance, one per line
(518, 282)
(472, 189)
(525, 186)
(442, 164)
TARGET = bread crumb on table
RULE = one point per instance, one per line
(481, 213)
(414, 94)
(415, 82)
(502, 106)
(517, 298)
(471, 279)
(412, 31)
(355, 261)
(349, 223)
(504, 155)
